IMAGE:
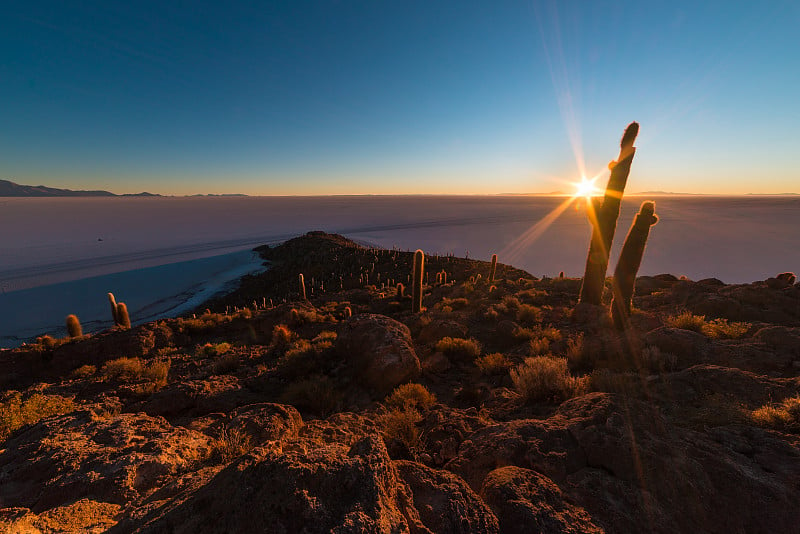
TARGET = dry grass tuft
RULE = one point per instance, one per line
(527, 314)
(783, 416)
(459, 348)
(493, 364)
(135, 370)
(401, 425)
(547, 379)
(687, 321)
(414, 396)
(16, 412)
(230, 444)
(723, 329)
(84, 371)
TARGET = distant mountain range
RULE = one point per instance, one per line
(11, 189)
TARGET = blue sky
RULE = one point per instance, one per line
(398, 97)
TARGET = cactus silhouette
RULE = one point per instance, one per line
(494, 268)
(74, 326)
(122, 316)
(603, 217)
(416, 288)
(302, 282)
(113, 302)
(401, 291)
(629, 261)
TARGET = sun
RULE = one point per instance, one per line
(586, 188)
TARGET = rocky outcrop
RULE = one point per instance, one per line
(632, 471)
(114, 459)
(526, 501)
(379, 350)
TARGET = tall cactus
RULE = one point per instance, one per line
(629, 261)
(74, 326)
(604, 219)
(494, 268)
(302, 286)
(124, 320)
(416, 280)
(113, 302)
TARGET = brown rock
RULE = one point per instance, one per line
(311, 488)
(221, 393)
(525, 501)
(445, 503)
(379, 350)
(688, 346)
(115, 460)
(436, 330)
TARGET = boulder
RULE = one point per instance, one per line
(526, 501)
(309, 487)
(116, 459)
(688, 346)
(445, 503)
(379, 350)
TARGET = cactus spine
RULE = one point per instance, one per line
(604, 219)
(416, 291)
(302, 282)
(494, 268)
(123, 317)
(629, 261)
(74, 326)
(113, 302)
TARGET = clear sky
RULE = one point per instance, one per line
(373, 97)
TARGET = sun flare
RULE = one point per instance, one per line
(586, 188)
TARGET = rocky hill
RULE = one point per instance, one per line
(497, 408)
(11, 189)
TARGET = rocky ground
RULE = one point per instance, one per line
(269, 413)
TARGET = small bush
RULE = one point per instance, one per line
(316, 394)
(687, 321)
(281, 337)
(528, 314)
(546, 379)
(215, 350)
(84, 371)
(783, 416)
(414, 396)
(654, 359)
(723, 329)
(459, 348)
(525, 334)
(539, 346)
(123, 369)
(576, 353)
(401, 425)
(493, 364)
(16, 413)
(230, 444)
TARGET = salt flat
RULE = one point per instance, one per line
(48, 241)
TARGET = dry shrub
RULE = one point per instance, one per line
(230, 444)
(525, 334)
(123, 369)
(414, 396)
(16, 412)
(493, 364)
(687, 321)
(723, 329)
(508, 304)
(459, 348)
(281, 337)
(304, 357)
(225, 364)
(204, 323)
(84, 371)
(317, 394)
(653, 359)
(547, 379)
(401, 425)
(539, 346)
(452, 304)
(134, 370)
(215, 350)
(532, 296)
(783, 416)
(528, 314)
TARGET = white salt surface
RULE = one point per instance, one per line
(47, 241)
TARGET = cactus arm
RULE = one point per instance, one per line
(628, 264)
